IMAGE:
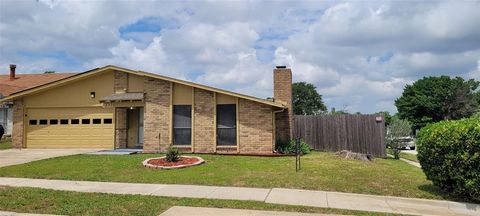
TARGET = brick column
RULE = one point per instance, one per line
(120, 128)
(256, 127)
(156, 115)
(204, 136)
(18, 140)
(282, 85)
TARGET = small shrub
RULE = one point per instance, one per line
(172, 154)
(449, 153)
(397, 129)
(288, 147)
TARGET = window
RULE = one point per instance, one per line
(63, 121)
(226, 125)
(43, 122)
(85, 121)
(32, 122)
(96, 121)
(53, 121)
(107, 121)
(182, 124)
(75, 121)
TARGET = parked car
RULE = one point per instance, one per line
(407, 142)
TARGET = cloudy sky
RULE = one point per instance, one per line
(359, 54)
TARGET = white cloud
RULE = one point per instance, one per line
(358, 54)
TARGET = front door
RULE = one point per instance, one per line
(140, 128)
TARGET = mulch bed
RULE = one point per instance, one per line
(181, 161)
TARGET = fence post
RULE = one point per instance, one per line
(297, 154)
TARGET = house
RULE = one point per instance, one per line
(13, 82)
(115, 108)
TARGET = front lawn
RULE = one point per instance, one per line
(404, 155)
(408, 156)
(33, 200)
(5, 144)
(320, 171)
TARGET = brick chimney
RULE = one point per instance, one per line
(282, 92)
(12, 71)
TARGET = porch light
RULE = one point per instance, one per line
(131, 108)
(92, 94)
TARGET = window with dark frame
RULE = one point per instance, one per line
(226, 125)
(96, 121)
(107, 121)
(85, 121)
(32, 122)
(43, 122)
(53, 121)
(63, 121)
(182, 124)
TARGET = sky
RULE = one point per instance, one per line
(359, 54)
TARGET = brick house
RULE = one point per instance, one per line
(11, 83)
(115, 108)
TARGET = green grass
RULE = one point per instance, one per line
(404, 155)
(407, 156)
(5, 144)
(320, 171)
(33, 200)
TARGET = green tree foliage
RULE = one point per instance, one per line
(398, 129)
(49, 72)
(306, 100)
(387, 115)
(433, 99)
(449, 152)
(334, 111)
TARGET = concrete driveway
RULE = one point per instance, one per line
(20, 156)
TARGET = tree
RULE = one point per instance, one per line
(433, 99)
(387, 116)
(397, 131)
(49, 72)
(306, 100)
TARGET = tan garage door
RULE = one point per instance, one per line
(70, 128)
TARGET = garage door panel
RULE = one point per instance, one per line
(70, 135)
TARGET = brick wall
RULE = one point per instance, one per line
(256, 128)
(204, 140)
(120, 127)
(156, 115)
(282, 85)
(18, 128)
(120, 82)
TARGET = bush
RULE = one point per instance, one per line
(449, 153)
(288, 147)
(397, 130)
(172, 154)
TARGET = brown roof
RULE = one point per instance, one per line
(26, 81)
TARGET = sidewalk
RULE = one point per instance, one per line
(200, 211)
(275, 195)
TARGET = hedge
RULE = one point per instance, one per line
(449, 153)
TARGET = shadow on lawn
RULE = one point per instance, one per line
(430, 188)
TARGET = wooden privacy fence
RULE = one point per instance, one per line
(357, 133)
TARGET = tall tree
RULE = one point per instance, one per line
(306, 100)
(387, 115)
(433, 99)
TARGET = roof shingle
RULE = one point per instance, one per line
(26, 81)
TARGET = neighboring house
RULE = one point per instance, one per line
(115, 108)
(12, 83)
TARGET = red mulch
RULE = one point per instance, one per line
(181, 161)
